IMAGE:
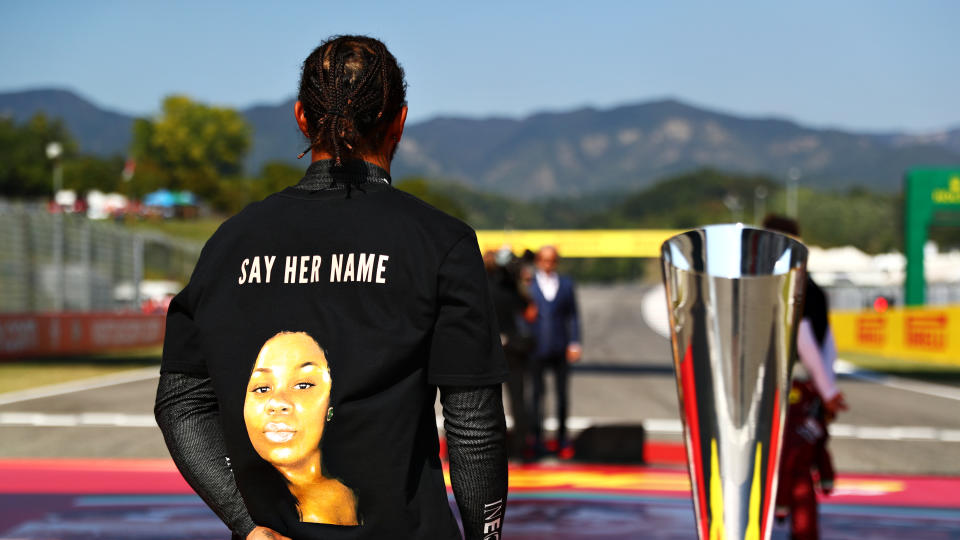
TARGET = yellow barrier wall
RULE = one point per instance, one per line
(590, 243)
(921, 333)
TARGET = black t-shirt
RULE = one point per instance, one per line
(326, 320)
(815, 309)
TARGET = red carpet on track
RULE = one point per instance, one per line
(160, 476)
(72, 499)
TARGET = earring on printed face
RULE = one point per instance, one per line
(330, 414)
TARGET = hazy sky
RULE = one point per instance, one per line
(868, 65)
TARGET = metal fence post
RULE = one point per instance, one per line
(137, 269)
(59, 285)
(86, 267)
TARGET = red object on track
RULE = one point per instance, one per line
(664, 453)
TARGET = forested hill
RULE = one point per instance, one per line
(568, 153)
(631, 146)
(99, 131)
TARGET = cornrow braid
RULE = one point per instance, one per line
(335, 116)
(383, 76)
(351, 89)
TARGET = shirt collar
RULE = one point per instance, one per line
(324, 175)
(544, 275)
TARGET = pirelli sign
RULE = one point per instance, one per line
(928, 332)
(919, 334)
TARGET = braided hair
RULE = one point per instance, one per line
(351, 89)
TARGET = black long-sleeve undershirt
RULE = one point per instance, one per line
(476, 446)
(187, 413)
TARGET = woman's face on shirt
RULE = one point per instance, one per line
(287, 398)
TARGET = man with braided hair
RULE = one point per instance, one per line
(302, 361)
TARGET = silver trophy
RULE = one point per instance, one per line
(734, 295)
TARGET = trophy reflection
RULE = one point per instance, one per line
(734, 296)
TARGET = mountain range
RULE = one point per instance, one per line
(567, 153)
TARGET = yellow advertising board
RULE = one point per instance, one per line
(580, 243)
(929, 334)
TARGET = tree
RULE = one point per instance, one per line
(422, 189)
(192, 145)
(275, 176)
(688, 200)
(25, 169)
(870, 221)
(235, 193)
(86, 172)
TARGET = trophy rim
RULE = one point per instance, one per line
(788, 245)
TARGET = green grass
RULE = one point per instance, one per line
(906, 367)
(29, 373)
(194, 230)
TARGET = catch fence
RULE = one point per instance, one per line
(54, 262)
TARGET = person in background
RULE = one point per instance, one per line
(814, 401)
(511, 302)
(556, 332)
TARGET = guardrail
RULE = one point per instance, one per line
(45, 334)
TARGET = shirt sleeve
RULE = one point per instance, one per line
(812, 361)
(181, 340)
(573, 318)
(465, 347)
(829, 354)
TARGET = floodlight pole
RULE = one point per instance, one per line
(793, 176)
(54, 151)
(759, 204)
(732, 202)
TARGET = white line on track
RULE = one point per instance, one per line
(919, 387)
(842, 431)
(669, 426)
(92, 419)
(653, 426)
(91, 383)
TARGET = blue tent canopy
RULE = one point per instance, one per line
(161, 197)
(166, 199)
(184, 198)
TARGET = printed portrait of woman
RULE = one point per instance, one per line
(286, 407)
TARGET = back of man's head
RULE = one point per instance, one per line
(351, 89)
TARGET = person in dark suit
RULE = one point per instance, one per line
(556, 332)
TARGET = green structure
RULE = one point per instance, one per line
(932, 198)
